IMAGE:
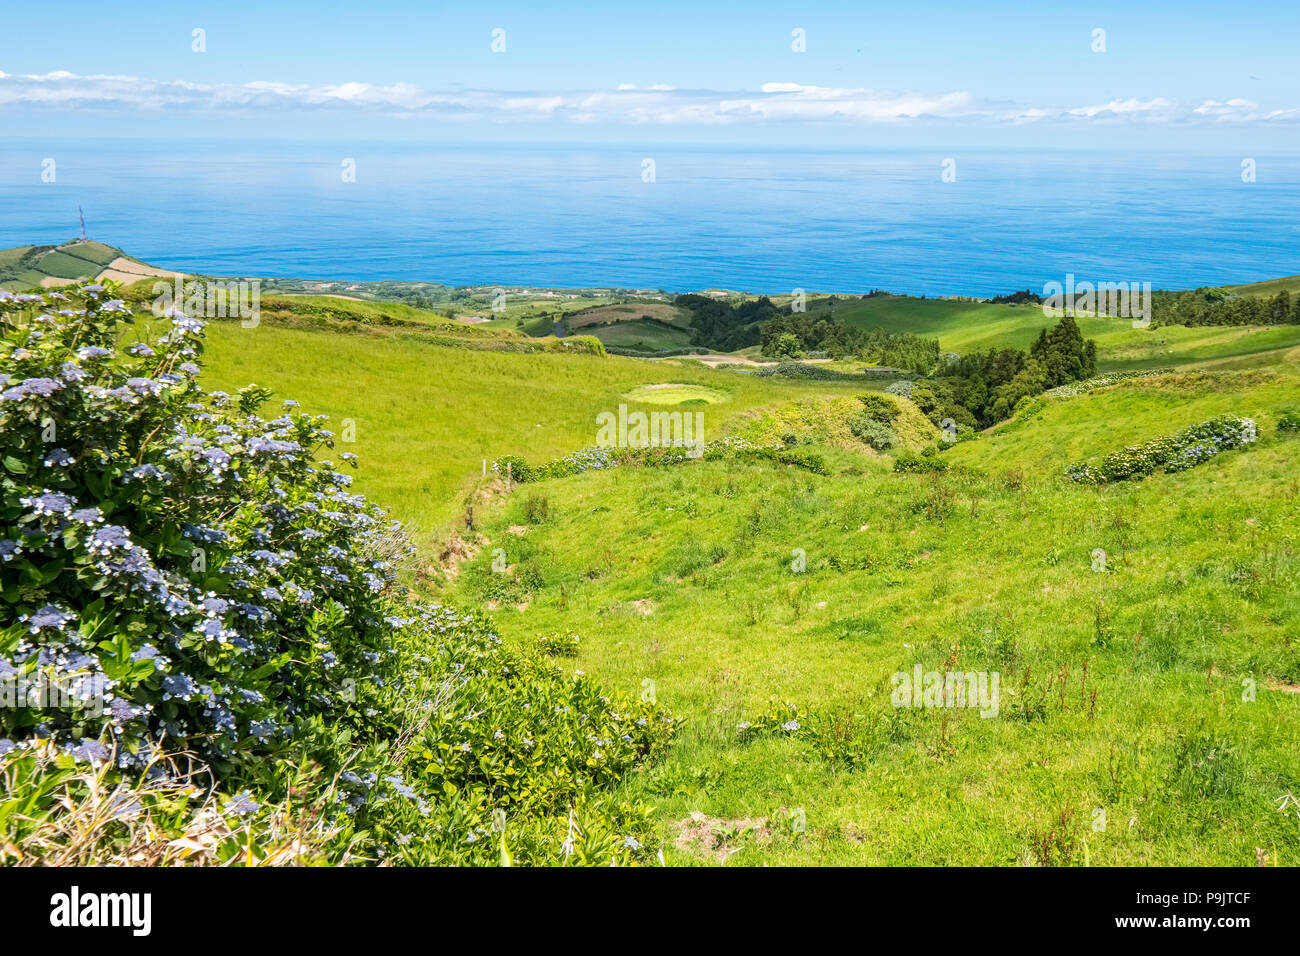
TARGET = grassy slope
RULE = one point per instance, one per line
(972, 326)
(1269, 287)
(1201, 593)
(427, 415)
(647, 336)
(623, 325)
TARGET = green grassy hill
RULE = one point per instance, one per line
(428, 408)
(645, 326)
(963, 326)
(27, 267)
(770, 598)
(1270, 287)
(1149, 711)
(1122, 691)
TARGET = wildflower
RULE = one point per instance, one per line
(48, 503)
(58, 458)
(242, 804)
(178, 686)
(89, 750)
(43, 387)
(49, 616)
(108, 539)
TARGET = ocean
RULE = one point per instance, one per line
(753, 218)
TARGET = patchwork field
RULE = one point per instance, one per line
(52, 266)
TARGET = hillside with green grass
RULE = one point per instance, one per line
(759, 604)
(1121, 689)
(769, 606)
(428, 409)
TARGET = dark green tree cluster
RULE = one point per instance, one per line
(723, 326)
(1214, 306)
(788, 335)
(1017, 298)
(983, 388)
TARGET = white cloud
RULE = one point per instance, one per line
(657, 104)
(1125, 108)
(1239, 110)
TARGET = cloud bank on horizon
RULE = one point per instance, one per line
(657, 104)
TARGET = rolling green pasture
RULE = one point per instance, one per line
(639, 334)
(1149, 712)
(426, 415)
(1122, 737)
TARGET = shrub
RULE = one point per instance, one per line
(908, 462)
(1072, 389)
(878, 408)
(515, 467)
(873, 432)
(798, 457)
(587, 344)
(171, 547)
(558, 645)
(801, 370)
(1184, 449)
(537, 509)
(1288, 420)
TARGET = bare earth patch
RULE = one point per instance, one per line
(453, 553)
(716, 837)
(645, 606)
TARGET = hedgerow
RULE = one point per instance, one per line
(801, 370)
(198, 581)
(598, 459)
(1071, 389)
(1177, 452)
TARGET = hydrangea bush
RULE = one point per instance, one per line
(196, 570)
(1177, 452)
(169, 546)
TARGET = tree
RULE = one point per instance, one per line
(788, 346)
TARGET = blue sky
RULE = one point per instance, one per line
(1212, 76)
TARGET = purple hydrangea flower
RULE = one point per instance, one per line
(58, 458)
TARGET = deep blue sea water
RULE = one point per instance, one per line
(754, 219)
